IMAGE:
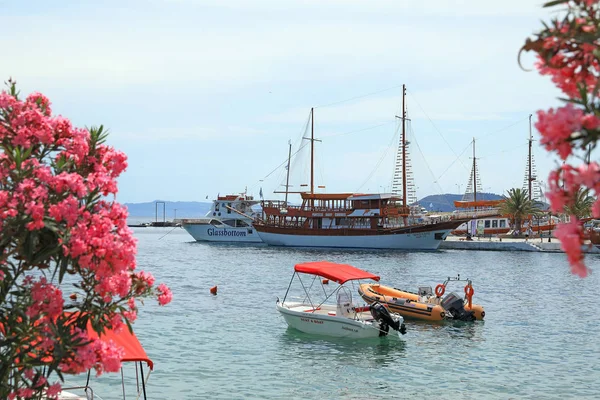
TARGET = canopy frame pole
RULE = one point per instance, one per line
(307, 295)
(288, 289)
(142, 375)
(311, 286)
(332, 293)
(123, 382)
(137, 378)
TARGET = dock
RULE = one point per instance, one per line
(509, 244)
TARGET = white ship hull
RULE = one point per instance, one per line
(401, 241)
(211, 233)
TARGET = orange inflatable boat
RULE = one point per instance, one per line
(426, 305)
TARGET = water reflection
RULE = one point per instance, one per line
(470, 331)
(374, 352)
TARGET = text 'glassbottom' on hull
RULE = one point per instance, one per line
(229, 220)
(209, 233)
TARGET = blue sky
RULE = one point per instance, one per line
(203, 96)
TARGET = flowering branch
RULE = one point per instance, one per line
(60, 234)
(568, 51)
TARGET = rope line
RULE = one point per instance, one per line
(359, 130)
(358, 97)
(380, 159)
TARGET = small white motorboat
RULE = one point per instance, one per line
(342, 319)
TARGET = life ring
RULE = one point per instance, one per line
(439, 290)
(469, 295)
(469, 290)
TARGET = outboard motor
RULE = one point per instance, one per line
(381, 314)
(454, 305)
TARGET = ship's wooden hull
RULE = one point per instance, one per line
(425, 237)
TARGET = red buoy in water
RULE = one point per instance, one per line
(213, 290)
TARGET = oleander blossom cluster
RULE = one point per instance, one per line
(67, 257)
(568, 51)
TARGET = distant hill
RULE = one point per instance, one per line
(185, 209)
(445, 202)
(196, 209)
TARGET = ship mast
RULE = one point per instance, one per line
(530, 179)
(474, 174)
(287, 180)
(312, 156)
(312, 151)
(403, 148)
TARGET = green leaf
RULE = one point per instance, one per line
(555, 3)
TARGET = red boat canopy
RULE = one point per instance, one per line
(127, 340)
(340, 273)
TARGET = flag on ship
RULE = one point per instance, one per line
(260, 193)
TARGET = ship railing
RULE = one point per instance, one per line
(476, 214)
(280, 204)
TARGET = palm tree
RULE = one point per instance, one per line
(518, 206)
(582, 204)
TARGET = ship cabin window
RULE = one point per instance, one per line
(229, 209)
(494, 223)
(216, 222)
(341, 222)
(241, 223)
(502, 223)
(229, 222)
(217, 206)
(487, 223)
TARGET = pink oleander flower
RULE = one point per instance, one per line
(25, 393)
(109, 355)
(165, 295)
(46, 299)
(53, 390)
(570, 235)
(589, 175)
(557, 127)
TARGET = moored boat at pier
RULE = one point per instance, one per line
(229, 220)
(374, 221)
(349, 220)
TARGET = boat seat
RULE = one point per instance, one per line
(425, 291)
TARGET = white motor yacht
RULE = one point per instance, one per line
(229, 220)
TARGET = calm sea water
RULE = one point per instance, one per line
(540, 338)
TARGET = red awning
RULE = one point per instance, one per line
(128, 341)
(340, 273)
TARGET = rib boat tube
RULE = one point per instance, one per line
(424, 305)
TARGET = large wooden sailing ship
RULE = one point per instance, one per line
(349, 220)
